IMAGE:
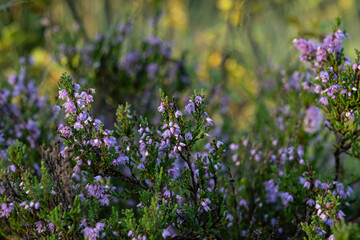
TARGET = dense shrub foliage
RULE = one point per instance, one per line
(168, 172)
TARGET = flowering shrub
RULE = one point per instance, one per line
(106, 64)
(177, 179)
(336, 83)
(23, 113)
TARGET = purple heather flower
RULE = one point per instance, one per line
(286, 198)
(161, 108)
(166, 233)
(332, 90)
(349, 115)
(97, 123)
(324, 101)
(77, 169)
(87, 97)
(219, 143)
(234, 147)
(294, 81)
(307, 184)
(141, 166)
(78, 126)
(317, 183)
(122, 159)
(178, 114)
(104, 200)
(37, 205)
(313, 119)
(80, 102)
(252, 152)
(83, 223)
(91, 233)
(166, 134)
(56, 110)
(39, 227)
(324, 75)
(76, 87)
(12, 79)
(305, 86)
(69, 106)
(344, 91)
(165, 144)
(152, 40)
(6, 209)
(272, 191)
(329, 222)
(167, 194)
(205, 203)
(304, 46)
(65, 130)
(95, 190)
(97, 178)
(320, 232)
(51, 226)
(340, 214)
(63, 94)
(82, 116)
(322, 215)
(310, 202)
(230, 218)
(354, 67)
(190, 108)
(324, 186)
(208, 122)
(109, 141)
(209, 148)
(12, 168)
(321, 56)
(198, 99)
(317, 88)
(152, 70)
(172, 231)
(100, 226)
(348, 192)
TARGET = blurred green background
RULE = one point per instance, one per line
(241, 46)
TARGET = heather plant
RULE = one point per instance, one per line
(274, 185)
(336, 87)
(175, 178)
(115, 59)
(176, 188)
(23, 113)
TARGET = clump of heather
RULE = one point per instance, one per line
(22, 111)
(335, 85)
(176, 189)
(116, 59)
